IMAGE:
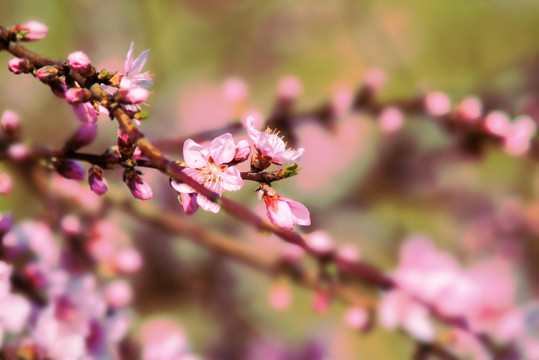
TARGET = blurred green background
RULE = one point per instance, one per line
(461, 47)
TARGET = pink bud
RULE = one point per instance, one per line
(135, 95)
(70, 225)
(96, 180)
(280, 296)
(497, 123)
(292, 252)
(321, 301)
(118, 294)
(18, 66)
(320, 242)
(235, 89)
(391, 119)
(18, 152)
(128, 261)
(357, 318)
(47, 73)
(5, 184)
(437, 103)
(138, 187)
(243, 150)
(85, 112)
(289, 88)
(85, 135)
(77, 95)
(375, 78)
(470, 108)
(34, 30)
(70, 169)
(6, 222)
(79, 61)
(348, 252)
(189, 202)
(341, 99)
(10, 123)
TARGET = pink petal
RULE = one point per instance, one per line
(300, 213)
(194, 154)
(207, 204)
(391, 309)
(223, 149)
(129, 58)
(182, 187)
(288, 156)
(251, 131)
(231, 179)
(416, 322)
(280, 214)
(140, 61)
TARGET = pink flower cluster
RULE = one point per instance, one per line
(482, 295)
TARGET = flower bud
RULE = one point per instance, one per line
(437, 103)
(320, 242)
(11, 125)
(79, 61)
(391, 119)
(138, 187)
(5, 184)
(70, 225)
(85, 112)
(128, 261)
(18, 66)
(118, 294)
(47, 73)
(97, 181)
(6, 222)
(85, 135)
(289, 88)
(31, 30)
(375, 78)
(243, 150)
(77, 95)
(18, 151)
(135, 95)
(357, 318)
(348, 252)
(498, 123)
(70, 169)
(283, 212)
(470, 108)
(189, 202)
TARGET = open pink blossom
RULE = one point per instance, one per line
(133, 70)
(284, 212)
(208, 166)
(270, 145)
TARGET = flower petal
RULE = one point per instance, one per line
(300, 213)
(288, 156)
(231, 179)
(280, 214)
(139, 62)
(194, 154)
(129, 58)
(207, 204)
(251, 131)
(223, 149)
(182, 187)
(416, 322)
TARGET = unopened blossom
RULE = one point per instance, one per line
(70, 169)
(320, 242)
(437, 103)
(348, 252)
(243, 150)
(391, 119)
(18, 151)
(139, 188)
(47, 74)
(118, 294)
(188, 202)
(11, 124)
(5, 184)
(79, 61)
(70, 225)
(208, 166)
(96, 180)
(517, 139)
(85, 112)
(77, 95)
(357, 318)
(128, 261)
(270, 146)
(162, 339)
(85, 135)
(470, 108)
(497, 123)
(133, 95)
(289, 88)
(284, 212)
(235, 89)
(18, 66)
(375, 78)
(133, 75)
(32, 30)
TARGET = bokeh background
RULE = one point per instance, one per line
(362, 186)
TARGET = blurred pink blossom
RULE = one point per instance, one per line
(391, 119)
(437, 103)
(35, 30)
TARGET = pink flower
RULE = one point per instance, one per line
(498, 123)
(208, 166)
(289, 87)
(270, 145)
(284, 212)
(79, 61)
(470, 108)
(133, 70)
(134, 95)
(85, 112)
(139, 188)
(32, 30)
